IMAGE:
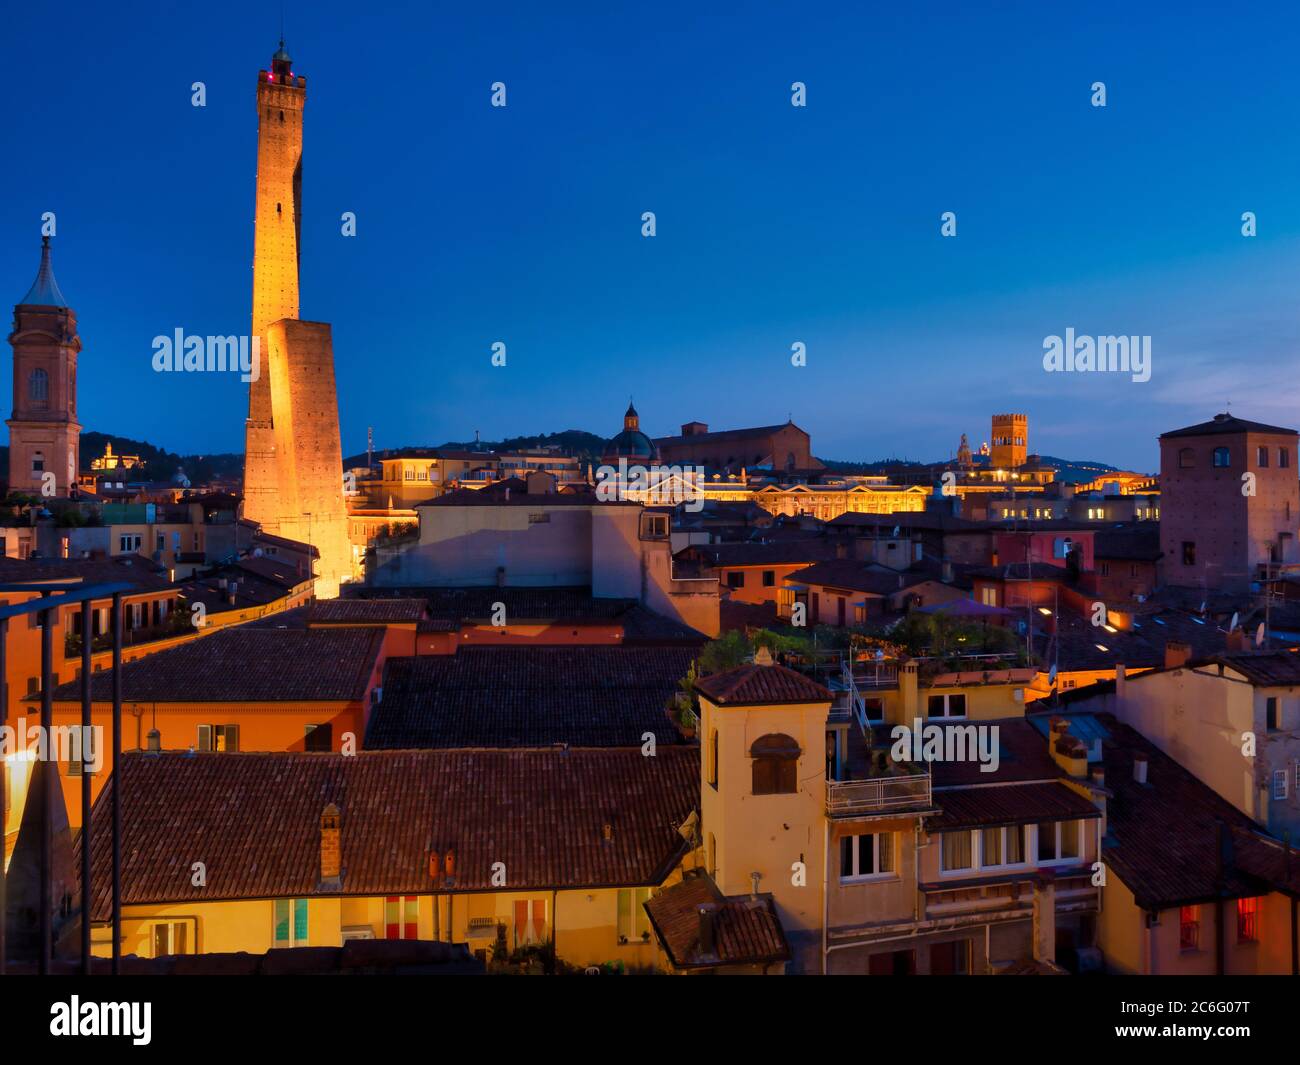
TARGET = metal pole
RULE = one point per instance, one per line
(117, 782)
(4, 789)
(87, 611)
(48, 783)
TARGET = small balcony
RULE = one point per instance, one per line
(878, 795)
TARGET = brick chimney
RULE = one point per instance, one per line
(708, 913)
(1177, 654)
(331, 868)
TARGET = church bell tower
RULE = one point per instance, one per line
(44, 434)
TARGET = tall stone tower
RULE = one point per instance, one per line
(278, 225)
(293, 463)
(44, 434)
(1010, 441)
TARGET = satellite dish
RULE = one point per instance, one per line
(1233, 624)
(1259, 635)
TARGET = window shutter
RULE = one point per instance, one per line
(232, 737)
(205, 737)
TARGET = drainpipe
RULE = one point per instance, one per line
(1219, 931)
(826, 900)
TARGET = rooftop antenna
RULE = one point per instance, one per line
(370, 446)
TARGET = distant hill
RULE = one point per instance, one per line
(160, 464)
(576, 442)
(1073, 471)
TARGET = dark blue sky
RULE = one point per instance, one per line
(775, 224)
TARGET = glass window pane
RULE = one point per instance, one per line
(1069, 839)
(299, 921)
(1015, 844)
(281, 921)
(1047, 841)
(956, 850)
(991, 838)
(885, 849)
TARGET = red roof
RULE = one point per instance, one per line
(555, 818)
(757, 685)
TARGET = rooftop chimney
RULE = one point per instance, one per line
(1177, 654)
(1140, 768)
(707, 912)
(331, 867)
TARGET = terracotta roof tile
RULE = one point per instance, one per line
(757, 685)
(246, 664)
(746, 928)
(528, 696)
(254, 820)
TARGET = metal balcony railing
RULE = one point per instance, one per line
(880, 794)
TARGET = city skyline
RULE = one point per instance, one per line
(776, 225)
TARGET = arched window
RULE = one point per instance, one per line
(713, 758)
(711, 859)
(776, 764)
(38, 388)
(38, 462)
(1222, 457)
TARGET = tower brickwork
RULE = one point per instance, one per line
(44, 434)
(293, 466)
(281, 96)
(1010, 441)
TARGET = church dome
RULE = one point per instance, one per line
(631, 443)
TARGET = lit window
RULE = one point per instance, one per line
(1189, 928)
(1248, 920)
(170, 937)
(401, 917)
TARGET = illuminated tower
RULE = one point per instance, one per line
(1010, 440)
(44, 435)
(277, 226)
(293, 463)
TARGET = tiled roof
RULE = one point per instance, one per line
(245, 664)
(746, 928)
(1079, 645)
(1023, 756)
(367, 611)
(1162, 837)
(513, 492)
(146, 575)
(283, 541)
(1013, 804)
(758, 685)
(255, 821)
(1265, 669)
(519, 696)
(724, 435)
(275, 570)
(1222, 424)
(753, 553)
(856, 576)
(576, 604)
